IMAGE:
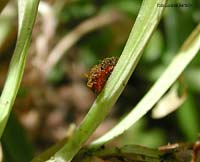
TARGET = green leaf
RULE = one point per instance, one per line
(11, 144)
(188, 51)
(27, 14)
(145, 24)
(188, 116)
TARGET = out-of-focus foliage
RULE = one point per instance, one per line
(11, 145)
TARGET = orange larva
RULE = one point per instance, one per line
(99, 74)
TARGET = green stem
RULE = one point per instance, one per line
(27, 15)
(145, 24)
(128, 152)
(188, 51)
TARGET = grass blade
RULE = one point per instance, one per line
(188, 51)
(146, 22)
(27, 15)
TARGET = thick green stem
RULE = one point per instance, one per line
(27, 14)
(145, 23)
(188, 51)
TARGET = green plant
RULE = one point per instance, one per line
(27, 13)
(146, 22)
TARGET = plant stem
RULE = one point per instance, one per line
(188, 51)
(27, 15)
(147, 19)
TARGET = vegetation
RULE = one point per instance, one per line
(55, 43)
